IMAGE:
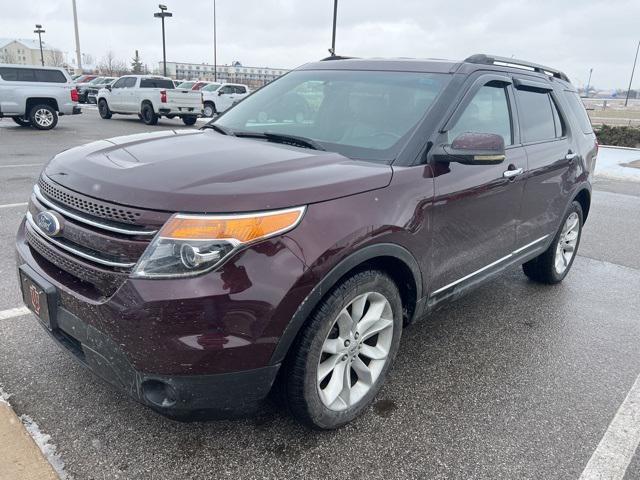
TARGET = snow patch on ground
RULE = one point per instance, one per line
(611, 163)
(44, 443)
(4, 396)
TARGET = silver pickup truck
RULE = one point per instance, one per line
(36, 96)
(150, 97)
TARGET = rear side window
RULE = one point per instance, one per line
(488, 112)
(50, 76)
(156, 83)
(579, 112)
(9, 74)
(26, 75)
(241, 90)
(536, 111)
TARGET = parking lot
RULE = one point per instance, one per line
(516, 380)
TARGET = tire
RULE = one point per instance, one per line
(149, 117)
(43, 117)
(21, 121)
(310, 396)
(103, 109)
(190, 120)
(553, 264)
(209, 109)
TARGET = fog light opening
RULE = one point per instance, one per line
(159, 394)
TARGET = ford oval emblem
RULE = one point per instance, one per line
(50, 223)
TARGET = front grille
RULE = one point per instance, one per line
(89, 206)
(105, 281)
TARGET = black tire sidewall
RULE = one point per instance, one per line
(103, 109)
(21, 121)
(32, 115)
(148, 115)
(310, 408)
(213, 109)
(558, 277)
(189, 120)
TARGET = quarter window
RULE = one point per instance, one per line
(538, 116)
(488, 112)
(50, 76)
(577, 108)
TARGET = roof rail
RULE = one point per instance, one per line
(336, 57)
(483, 59)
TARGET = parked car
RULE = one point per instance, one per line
(36, 96)
(98, 82)
(198, 85)
(84, 78)
(92, 91)
(150, 97)
(220, 97)
(196, 269)
(187, 85)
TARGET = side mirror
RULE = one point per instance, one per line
(108, 87)
(219, 92)
(473, 149)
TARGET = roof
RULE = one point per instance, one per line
(27, 42)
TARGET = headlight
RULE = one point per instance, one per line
(192, 244)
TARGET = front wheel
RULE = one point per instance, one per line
(554, 264)
(103, 109)
(189, 120)
(209, 109)
(43, 117)
(23, 122)
(341, 357)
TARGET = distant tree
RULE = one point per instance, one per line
(109, 65)
(55, 58)
(136, 64)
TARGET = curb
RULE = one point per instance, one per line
(21, 457)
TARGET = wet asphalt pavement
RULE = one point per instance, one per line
(516, 380)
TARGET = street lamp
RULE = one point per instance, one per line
(332, 50)
(162, 14)
(588, 83)
(40, 31)
(626, 101)
(215, 48)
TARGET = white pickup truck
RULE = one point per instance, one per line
(150, 97)
(220, 97)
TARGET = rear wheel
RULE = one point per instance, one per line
(149, 117)
(22, 121)
(43, 117)
(341, 357)
(554, 264)
(191, 120)
(103, 109)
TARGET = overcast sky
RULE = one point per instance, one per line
(573, 35)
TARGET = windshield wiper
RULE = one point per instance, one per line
(285, 139)
(219, 129)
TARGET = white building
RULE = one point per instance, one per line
(27, 52)
(235, 73)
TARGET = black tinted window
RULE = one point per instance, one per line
(156, 83)
(488, 112)
(579, 112)
(9, 74)
(536, 116)
(50, 76)
(26, 75)
(241, 90)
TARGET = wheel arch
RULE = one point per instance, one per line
(391, 258)
(583, 197)
(33, 101)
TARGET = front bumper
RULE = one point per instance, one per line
(178, 345)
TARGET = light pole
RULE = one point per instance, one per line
(332, 50)
(75, 24)
(626, 101)
(40, 31)
(215, 48)
(161, 15)
(588, 83)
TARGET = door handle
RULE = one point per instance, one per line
(571, 156)
(512, 173)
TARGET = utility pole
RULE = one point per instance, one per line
(332, 50)
(588, 83)
(215, 47)
(40, 31)
(75, 24)
(162, 15)
(626, 101)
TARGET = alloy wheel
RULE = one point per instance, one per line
(355, 351)
(566, 248)
(43, 117)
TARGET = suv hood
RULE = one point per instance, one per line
(204, 171)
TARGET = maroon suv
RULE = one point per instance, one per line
(296, 234)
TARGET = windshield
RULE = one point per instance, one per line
(96, 81)
(366, 115)
(212, 87)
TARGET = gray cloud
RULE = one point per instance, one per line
(573, 35)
